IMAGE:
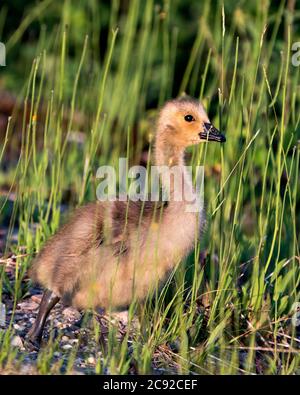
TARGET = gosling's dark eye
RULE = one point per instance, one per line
(189, 118)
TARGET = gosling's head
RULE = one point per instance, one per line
(183, 122)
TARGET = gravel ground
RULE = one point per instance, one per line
(66, 325)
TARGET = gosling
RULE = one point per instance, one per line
(111, 253)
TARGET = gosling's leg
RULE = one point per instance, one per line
(35, 334)
(103, 329)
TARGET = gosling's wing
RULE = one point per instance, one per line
(132, 213)
(128, 216)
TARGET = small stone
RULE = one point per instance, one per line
(57, 354)
(16, 342)
(69, 333)
(19, 327)
(2, 314)
(67, 347)
(122, 316)
(28, 370)
(36, 298)
(71, 314)
(65, 339)
(28, 305)
(91, 360)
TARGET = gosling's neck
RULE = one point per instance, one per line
(169, 156)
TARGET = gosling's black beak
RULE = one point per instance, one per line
(210, 133)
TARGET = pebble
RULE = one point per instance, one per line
(67, 347)
(28, 305)
(65, 339)
(2, 314)
(18, 317)
(16, 342)
(91, 360)
(19, 327)
(122, 316)
(28, 370)
(71, 314)
(36, 298)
